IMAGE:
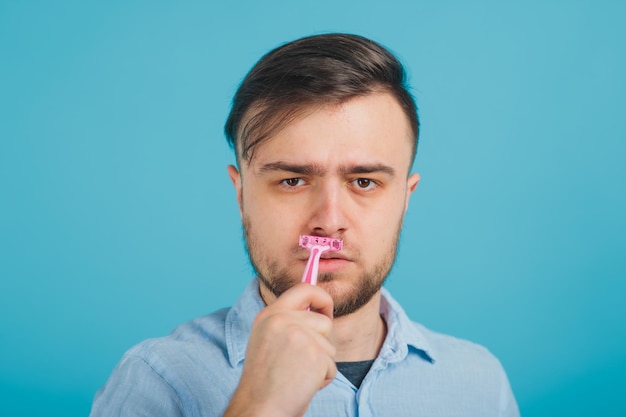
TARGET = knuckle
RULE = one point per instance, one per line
(296, 337)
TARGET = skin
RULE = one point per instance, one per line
(339, 171)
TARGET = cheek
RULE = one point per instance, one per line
(387, 210)
(380, 226)
(268, 215)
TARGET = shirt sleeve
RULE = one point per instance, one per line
(135, 389)
(508, 405)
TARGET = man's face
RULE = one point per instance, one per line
(339, 171)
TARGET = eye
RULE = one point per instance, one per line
(364, 183)
(292, 182)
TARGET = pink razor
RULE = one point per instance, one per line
(316, 245)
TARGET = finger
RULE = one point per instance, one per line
(280, 319)
(323, 353)
(321, 341)
(317, 322)
(302, 296)
(331, 373)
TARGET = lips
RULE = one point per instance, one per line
(342, 255)
(330, 255)
(333, 265)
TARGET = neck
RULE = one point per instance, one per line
(360, 335)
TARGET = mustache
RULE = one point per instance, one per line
(303, 253)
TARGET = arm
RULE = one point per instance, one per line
(289, 356)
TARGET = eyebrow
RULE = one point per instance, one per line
(320, 170)
(303, 169)
(367, 169)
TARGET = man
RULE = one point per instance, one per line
(325, 134)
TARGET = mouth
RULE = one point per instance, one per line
(328, 256)
(331, 255)
(331, 262)
(337, 264)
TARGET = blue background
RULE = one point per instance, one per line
(118, 221)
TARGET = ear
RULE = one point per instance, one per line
(411, 185)
(235, 178)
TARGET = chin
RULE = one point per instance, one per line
(349, 299)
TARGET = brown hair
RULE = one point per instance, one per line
(312, 71)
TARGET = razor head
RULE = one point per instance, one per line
(308, 241)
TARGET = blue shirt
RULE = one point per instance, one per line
(195, 370)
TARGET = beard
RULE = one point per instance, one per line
(279, 279)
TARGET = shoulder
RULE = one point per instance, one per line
(170, 372)
(439, 347)
(185, 343)
(462, 356)
(447, 345)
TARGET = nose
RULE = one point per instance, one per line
(328, 214)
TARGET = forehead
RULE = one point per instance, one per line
(365, 128)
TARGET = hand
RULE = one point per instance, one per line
(289, 356)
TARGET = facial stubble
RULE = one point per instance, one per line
(278, 279)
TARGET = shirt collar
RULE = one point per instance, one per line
(402, 333)
(239, 322)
